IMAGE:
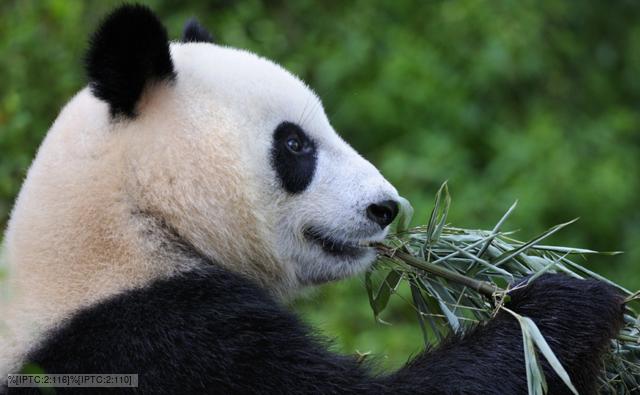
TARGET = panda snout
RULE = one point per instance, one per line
(383, 212)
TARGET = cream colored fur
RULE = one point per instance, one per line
(84, 226)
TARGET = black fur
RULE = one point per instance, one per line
(129, 50)
(213, 331)
(295, 170)
(194, 32)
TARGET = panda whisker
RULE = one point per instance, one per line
(311, 113)
(316, 108)
(304, 110)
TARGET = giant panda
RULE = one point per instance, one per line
(188, 192)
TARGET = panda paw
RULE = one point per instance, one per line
(588, 311)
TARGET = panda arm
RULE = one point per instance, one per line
(213, 330)
(577, 318)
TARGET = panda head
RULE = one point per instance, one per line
(219, 152)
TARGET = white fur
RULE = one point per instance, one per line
(197, 157)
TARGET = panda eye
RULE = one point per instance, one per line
(294, 144)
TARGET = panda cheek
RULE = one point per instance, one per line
(295, 171)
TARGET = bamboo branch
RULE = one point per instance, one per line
(482, 287)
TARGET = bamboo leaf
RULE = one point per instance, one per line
(482, 261)
(379, 301)
(536, 383)
(404, 216)
(443, 217)
(433, 308)
(439, 294)
(368, 284)
(496, 229)
(544, 348)
(545, 269)
(434, 219)
(420, 308)
(510, 254)
(574, 250)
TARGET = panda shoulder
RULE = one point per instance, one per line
(209, 307)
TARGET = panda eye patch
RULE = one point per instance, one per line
(293, 157)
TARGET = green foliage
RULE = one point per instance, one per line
(530, 100)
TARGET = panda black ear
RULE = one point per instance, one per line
(193, 32)
(129, 50)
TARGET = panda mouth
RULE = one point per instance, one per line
(334, 246)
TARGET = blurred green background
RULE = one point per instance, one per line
(531, 100)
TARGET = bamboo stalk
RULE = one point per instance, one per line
(486, 288)
(483, 287)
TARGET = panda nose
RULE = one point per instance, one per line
(383, 213)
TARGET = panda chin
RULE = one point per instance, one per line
(335, 247)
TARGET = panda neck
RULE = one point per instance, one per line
(165, 242)
(166, 246)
